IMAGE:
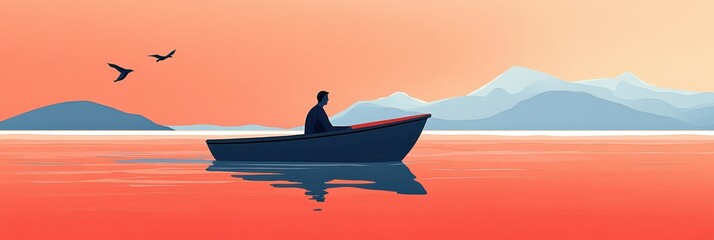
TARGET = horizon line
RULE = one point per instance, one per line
(564, 133)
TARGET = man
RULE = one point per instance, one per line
(316, 120)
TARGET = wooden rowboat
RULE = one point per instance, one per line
(381, 141)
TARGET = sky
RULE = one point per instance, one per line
(242, 62)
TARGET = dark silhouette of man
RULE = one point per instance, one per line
(316, 120)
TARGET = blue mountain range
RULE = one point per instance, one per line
(525, 99)
(79, 115)
(548, 111)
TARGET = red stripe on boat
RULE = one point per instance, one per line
(371, 124)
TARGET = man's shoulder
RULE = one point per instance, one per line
(317, 109)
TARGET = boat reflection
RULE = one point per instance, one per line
(317, 178)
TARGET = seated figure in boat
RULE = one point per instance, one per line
(316, 120)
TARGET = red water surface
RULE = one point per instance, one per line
(477, 188)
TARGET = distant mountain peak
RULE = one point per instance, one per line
(401, 96)
(631, 78)
(399, 93)
(78, 104)
(629, 75)
(513, 80)
(399, 100)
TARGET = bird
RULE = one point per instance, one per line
(161, 58)
(122, 71)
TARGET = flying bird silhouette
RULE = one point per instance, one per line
(122, 71)
(161, 58)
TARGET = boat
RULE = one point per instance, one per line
(380, 141)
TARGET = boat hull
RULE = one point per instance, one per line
(379, 143)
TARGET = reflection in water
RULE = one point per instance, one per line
(316, 178)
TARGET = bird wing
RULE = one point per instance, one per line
(156, 56)
(122, 76)
(171, 53)
(118, 68)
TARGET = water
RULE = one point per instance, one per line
(449, 187)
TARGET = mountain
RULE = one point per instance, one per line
(519, 84)
(493, 98)
(399, 100)
(208, 127)
(79, 115)
(487, 101)
(645, 104)
(561, 110)
(513, 80)
(629, 86)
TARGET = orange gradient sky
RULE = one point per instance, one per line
(241, 62)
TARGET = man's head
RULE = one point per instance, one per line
(322, 98)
